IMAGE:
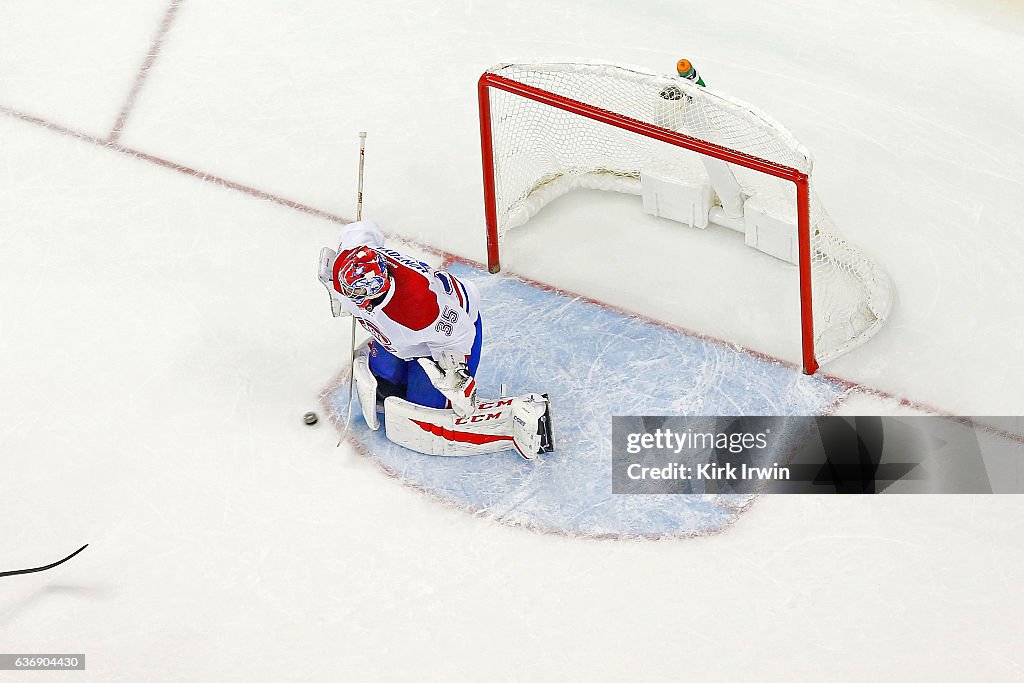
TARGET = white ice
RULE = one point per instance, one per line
(161, 335)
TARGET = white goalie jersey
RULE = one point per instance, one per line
(425, 314)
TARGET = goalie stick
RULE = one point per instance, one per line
(43, 569)
(352, 346)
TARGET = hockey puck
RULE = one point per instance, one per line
(310, 418)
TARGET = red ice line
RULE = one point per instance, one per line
(143, 72)
(181, 168)
(140, 79)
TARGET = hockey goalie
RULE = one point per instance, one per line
(418, 368)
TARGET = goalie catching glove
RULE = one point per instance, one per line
(451, 377)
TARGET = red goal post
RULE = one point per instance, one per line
(548, 97)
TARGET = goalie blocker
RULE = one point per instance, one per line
(522, 423)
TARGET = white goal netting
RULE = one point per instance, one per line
(541, 152)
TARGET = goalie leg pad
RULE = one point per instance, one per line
(531, 425)
(439, 431)
(366, 386)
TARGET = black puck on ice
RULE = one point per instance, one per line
(310, 418)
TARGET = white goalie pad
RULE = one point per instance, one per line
(326, 270)
(366, 385)
(326, 274)
(498, 425)
(439, 431)
(531, 425)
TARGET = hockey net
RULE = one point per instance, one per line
(549, 128)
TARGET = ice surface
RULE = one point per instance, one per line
(74, 62)
(161, 337)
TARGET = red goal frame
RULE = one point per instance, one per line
(797, 177)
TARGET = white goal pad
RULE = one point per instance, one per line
(688, 200)
(518, 423)
(366, 385)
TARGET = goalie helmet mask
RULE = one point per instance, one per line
(361, 275)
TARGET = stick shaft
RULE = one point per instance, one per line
(362, 159)
(352, 337)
